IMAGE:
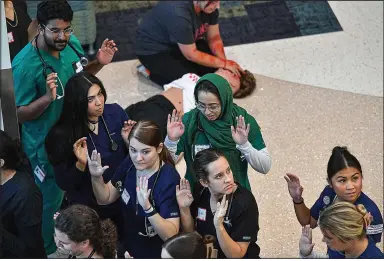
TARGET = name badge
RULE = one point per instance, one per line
(200, 148)
(77, 67)
(39, 173)
(201, 214)
(10, 38)
(125, 196)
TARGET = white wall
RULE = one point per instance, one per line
(5, 60)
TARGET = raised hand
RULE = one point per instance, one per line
(240, 134)
(294, 187)
(183, 194)
(51, 86)
(94, 165)
(305, 243)
(80, 149)
(127, 127)
(143, 193)
(175, 127)
(106, 52)
(221, 210)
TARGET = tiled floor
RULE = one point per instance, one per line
(302, 123)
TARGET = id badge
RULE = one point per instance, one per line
(199, 148)
(39, 174)
(125, 196)
(77, 67)
(202, 214)
(11, 39)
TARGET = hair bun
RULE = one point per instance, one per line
(208, 239)
(339, 149)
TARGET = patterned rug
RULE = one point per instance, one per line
(241, 22)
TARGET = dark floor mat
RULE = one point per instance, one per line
(241, 22)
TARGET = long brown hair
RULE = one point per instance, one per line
(148, 133)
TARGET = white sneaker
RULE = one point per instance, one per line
(143, 71)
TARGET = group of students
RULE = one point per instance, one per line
(115, 168)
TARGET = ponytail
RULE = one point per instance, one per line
(166, 156)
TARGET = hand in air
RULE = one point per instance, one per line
(183, 194)
(305, 243)
(80, 149)
(221, 211)
(94, 165)
(51, 86)
(240, 133)
(175, 127)
(143, 193)
(294, 187)
(106, 52)
(127, 127)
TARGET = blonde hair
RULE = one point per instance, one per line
(345, 220)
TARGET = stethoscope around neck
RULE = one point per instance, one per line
(46, 67)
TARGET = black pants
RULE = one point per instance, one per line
(166, 67)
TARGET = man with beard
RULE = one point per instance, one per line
(41, 71)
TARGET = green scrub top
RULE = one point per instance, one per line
(201, 142)
(30, 84)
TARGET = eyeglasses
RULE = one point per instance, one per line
(212, 107)
(67, 32)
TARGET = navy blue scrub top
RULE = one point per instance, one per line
(374, 230)
(164, 195)
(77, 184)
(371, 252)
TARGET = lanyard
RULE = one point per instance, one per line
(114, 145)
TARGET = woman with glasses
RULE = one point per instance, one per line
(345, 181)
(146, 184)
(87, 123)
(220, 207)
(344, 227)
(219, 123)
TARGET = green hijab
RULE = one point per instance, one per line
(218, 131)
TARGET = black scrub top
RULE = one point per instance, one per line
(21, 208)
(241, 221)
(17, 29)
(137, 227)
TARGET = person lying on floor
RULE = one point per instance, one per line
(185, 36)
(179, 95)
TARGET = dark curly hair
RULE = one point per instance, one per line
(82, 223)
(247, 85)
(10, 151)
(53, 9)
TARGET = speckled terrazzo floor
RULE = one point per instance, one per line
(300, 124)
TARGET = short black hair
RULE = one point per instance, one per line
(10, 151)
(53, 9)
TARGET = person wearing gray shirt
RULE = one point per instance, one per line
(179, 37)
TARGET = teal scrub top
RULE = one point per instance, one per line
(30, 84)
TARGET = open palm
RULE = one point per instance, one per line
(305, 243)
(294, 187)
(183, 194)
(175, 127)
(94, 165)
